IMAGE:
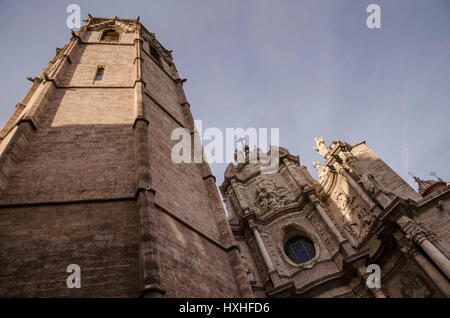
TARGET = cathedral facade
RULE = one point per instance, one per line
(86, 179)
(300, 237)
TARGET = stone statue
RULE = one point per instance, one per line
(322, 171)
(344, 202)
(356, 219)
(321, 148)
(248, 270)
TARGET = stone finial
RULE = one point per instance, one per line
(322, 171)
(321, 148)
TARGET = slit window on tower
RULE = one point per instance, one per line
(99, 75)
(110, 36)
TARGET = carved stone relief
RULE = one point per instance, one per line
(288, 178)
(248, 270)
(416, 230)
(235, 203)
(323, 233)
(322, 171)
(414, 285)
(271, 196)
(250, 170)
(356, 219)
(272, 252)
(258, 261)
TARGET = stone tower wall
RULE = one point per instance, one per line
(86, 178)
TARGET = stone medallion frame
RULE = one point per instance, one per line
(290, 230)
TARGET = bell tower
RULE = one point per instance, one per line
(86, 178)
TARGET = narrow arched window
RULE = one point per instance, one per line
(110, 36)
(155, 54)
(99, 75)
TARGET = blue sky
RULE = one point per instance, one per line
(311, 68)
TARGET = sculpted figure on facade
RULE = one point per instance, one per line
(322, 171)
(321, 148)
(356, 219)
(248, 270)
(271, 196)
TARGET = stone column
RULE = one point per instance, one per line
(271, 270)
(418, 234)
(343, 242)
(408, 248)
(436, 255)
(440, 281)
(327, 219)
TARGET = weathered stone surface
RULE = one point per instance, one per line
(349, 217)
(86, 178)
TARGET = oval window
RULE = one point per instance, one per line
(299, 249)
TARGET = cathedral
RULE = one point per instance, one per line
(87, 180)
